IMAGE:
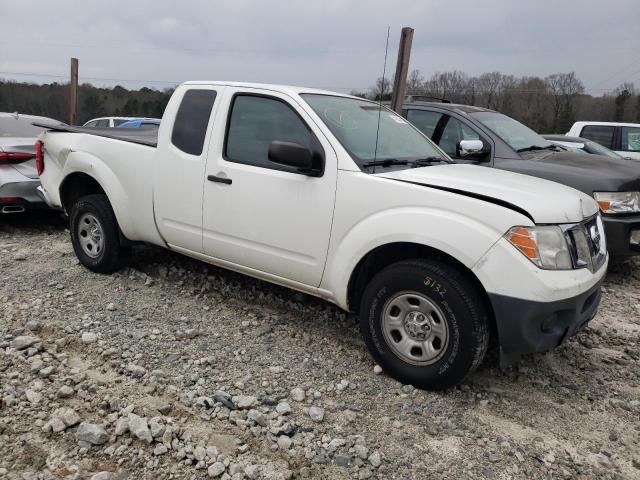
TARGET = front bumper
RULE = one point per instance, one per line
(527, 326)
(535, 309)
(618, 231)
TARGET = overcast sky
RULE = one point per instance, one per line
(334, 44)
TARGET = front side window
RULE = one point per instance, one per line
(102, 123)
(631, 139)
(601, 134)
(424, 120)
(91, 123)
(256, 121)
(357, 124)
(518, 136)
(454, 132)
(192, 121)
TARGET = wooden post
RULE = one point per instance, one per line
(402, 67)
(73, 92)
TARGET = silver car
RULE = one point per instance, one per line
(18, 176)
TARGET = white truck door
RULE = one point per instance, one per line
(260, 215)
(179, 173)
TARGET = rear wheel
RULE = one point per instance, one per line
(95, 235)
(425, 323)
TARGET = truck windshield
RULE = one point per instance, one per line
(354, 122)
(519, 137)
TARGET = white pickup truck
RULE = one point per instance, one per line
(340, 198)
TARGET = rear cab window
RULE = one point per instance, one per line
(630, 139)
(602, 134)
(192, 120)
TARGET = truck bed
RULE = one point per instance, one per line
(131, 135)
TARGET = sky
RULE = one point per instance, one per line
(332, 44)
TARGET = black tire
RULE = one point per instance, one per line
(460, 305)
(112, 255)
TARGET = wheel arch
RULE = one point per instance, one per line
(77, 185)
(390, 253)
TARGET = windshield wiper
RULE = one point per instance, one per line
(536, 147)
(417, 162)
(387, 162)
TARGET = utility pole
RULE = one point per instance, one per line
(73, 92)
(402, 67)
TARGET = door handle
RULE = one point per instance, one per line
(225, 180)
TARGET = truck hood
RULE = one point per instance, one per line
(585, 172)
(541, 200)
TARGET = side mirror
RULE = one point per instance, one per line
(471, 149)
(297, 156)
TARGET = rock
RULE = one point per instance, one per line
(375, 460)
(22, 342)
(316, 414)
(341, 460)
(377, 369)
(68, 415)
(160, 450)
(225, 400)
(33, 397)
(244, 402)
(92, 433)
(89, 337)
(156, 427)
(519, 453)
(284, 442)
(122, 426)
(258, 417)
(47, 371)
(33, 325)
(200, 454)
(65, 391)
(103, 476)
(139, 428)
(136, 371)
(494, 457)
(111, 307)
(361, 451)
(165, 409)
(57, 425)
(216, 469)
(297, 394)
(283, 408)
(252, 471)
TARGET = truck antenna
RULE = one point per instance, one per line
(382, 82)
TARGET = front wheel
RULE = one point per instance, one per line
(95, 235)
(425, 323)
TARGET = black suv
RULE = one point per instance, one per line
(480, 136)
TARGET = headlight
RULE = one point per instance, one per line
(618, 202)
(546, 246)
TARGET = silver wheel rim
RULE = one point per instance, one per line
(90, 235)
(415, 328)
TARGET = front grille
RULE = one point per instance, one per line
(587, 243)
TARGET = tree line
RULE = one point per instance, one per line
(547, 105)
(52, 100)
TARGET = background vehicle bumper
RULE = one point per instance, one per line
(618, 231)
(20, 195)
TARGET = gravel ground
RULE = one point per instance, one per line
(175, 369)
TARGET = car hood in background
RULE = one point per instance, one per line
(586, 172)
(543, 201)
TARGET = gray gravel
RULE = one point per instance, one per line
(175, 369)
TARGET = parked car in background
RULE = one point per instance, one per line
(18, 175)
(585, 145)
(111, 122)
(480, 136)
(622, 138)
(143, 123)
(331, 195)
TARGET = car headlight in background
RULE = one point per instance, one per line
(618, 202)
(545, 246)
